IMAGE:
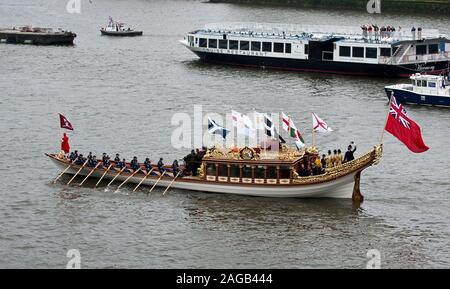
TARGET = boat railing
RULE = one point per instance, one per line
(250, 28)
(405, 59)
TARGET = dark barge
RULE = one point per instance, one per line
(43, 36)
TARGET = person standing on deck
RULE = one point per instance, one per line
(349, 154)
(338, 159)
(329, 160)
(65, 147)
(413, 33)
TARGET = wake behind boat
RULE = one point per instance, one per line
(244, 171)
(118, 28)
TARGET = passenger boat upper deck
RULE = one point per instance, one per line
(397, 52)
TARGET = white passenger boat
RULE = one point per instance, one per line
(330, 49)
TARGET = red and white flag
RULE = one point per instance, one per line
(319, 125)
(64, 123)
(404, 128)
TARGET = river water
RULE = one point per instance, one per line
(120, 95)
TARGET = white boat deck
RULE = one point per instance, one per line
(319, 32)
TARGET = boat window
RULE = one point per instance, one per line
(433, 49)
(413, 82)
(288, 48)
(203, 42)
(223, 170)
(385, 52)
(256, 46)
(212, 43)
(431, 84)
(235, 172)
(285, 172)
(244, 45)
(358, 51)
(267, 46)
(234, 44)
(424, 83)
(223, 44)
(246, 171)
(259, 172)
(211, 169)
(278, 47)
(271, 172)
(344, 51)
(371, 52)
(419, 83)
(306, 48)
(421, 49)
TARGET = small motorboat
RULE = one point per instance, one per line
(423, 89)
(118, 28)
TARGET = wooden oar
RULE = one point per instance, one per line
(62, 173)
(77, 172)
(103, 175)
(171, 182)
(154, 185)
(90, 173)
(143, 180)
(116, 176)
(126, 180)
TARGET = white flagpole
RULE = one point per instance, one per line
(387, 118)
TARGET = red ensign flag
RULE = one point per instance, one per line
(64, 122)
(404, 128)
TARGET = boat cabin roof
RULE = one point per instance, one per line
(426, 77)
(256, 156)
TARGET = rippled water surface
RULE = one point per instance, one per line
(120, 95)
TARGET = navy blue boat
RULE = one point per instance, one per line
(423, 89)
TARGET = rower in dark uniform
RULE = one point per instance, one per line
(106, 161)
(92, 162)
(89, 156)
(175, 168)
(117, 158)
(161, 168)
(80, 160)
(122, 164)
(73, 155)
(148, 165)
(135, 164)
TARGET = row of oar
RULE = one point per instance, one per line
(115, 177)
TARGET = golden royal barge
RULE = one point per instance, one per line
(246, 171)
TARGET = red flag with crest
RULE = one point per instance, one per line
(64, 123)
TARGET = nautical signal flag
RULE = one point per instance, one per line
(405, 129)
(243, 123)
(319, 125)
(214, 128)
(64, 123)
(270, 129)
